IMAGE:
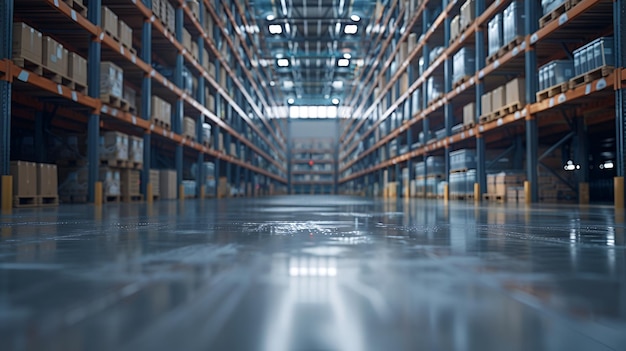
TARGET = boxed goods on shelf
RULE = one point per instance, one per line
(508, 179)
(513, 22)
(130, 95)
(468, 13)
(195, 50)
(462, 159)
(498, 97)
(73, 184)
(469, 114)
(416, 101)
(55, 57)
(455, 27)
(435, 88)
(463, 64)
(223, 189)
(135, 151)
(27, 43)
(110, 179)
(189, 188)
(440, 134)
(24, 179)
(412, 42)
(491, 183)
(432, 186)
(155, 181)
(194, 7)
(47, 182)
(170, 16)
(114, 146)
(167, 185)
(156, 7)
(110, 22)
(129, 184)
(435, 165)
(161, 112)
(516, 91)
(77, 69)
(111, 80)
(186, 39)
(550, 5)
(486, 103)
(555, 73)
(189, 128)
(462, 183)
(495, 34)
(595, 54)
(126, 34)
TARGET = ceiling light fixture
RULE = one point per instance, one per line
(335, 101)
(347, 56)
(291, 101)
(343, 62)
(351, 29)
(275, 29)
(270, 17)
(283, 62)
(355, 18)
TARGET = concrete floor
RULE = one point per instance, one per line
(312, 273)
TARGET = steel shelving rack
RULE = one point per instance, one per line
(392, 112)
(243, 108)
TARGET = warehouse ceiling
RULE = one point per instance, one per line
(314, 47)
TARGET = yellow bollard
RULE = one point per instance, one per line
(7, 193)
(202, 191)
(97, 199)
(446, 193)
(476, 192)
(583, 193)
(149, 193)
(618, 185)
(527, 195)
(181, 192)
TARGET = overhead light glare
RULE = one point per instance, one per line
(275, 29)
(283, 62)
(351, 29)
(270, 17)
(335, 101)
(343, 62)
(290, 101)
(355, 18)
(347, 56)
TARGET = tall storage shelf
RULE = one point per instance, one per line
(495, 104)
(172, 55)
(313, 166)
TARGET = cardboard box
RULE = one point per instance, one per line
(468, 13)
(161, 110)
(114, 146)
(110, 22)
(47, 182)
(111, 80)
(27, 43)
(498, 96)
(189, 127)
(155, 180)
(223, 189)
(186, 40)
(130, 95)
(110, 179)
(516, 91)
(77, 69)
(455, 27)
(135, 149)
(491, 184)
(126, 34)
(194, 50)
(486, 103)
(55, 57)
(167, 184)
(469, 113)
(194, 7)
(24, 178)
(129, 182)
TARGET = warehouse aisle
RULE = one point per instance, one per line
(312, 273)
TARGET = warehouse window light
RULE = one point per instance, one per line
(317, 111)
(283, 62)
(351, 29)
(275, 29)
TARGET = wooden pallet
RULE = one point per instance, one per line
(135, 165)
(115, 37)
(115, 163)
(543, 21)
(494, 197)
(111, 198)
(190, 138)
(25, 201)
(571, 3)
(492, 58)
(157, 122)
(55, 76)
(460, 170)
(78, 87)
(74, 199)
(461, 81)
(590, 76)
(29, 65)
(71, 163)
(49, 201)
(552, 91)
(111, 100)
(459, 197)
(510, 46)
(132, 198)
(511, 108)
(77, 5)
(468, 126)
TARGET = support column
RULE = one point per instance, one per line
(289, 157)
(201, 98)
(481, 165)
(146, 106)
(619, 16)
(531, 10)
(177, 118)
(94, 14)
(6, 181)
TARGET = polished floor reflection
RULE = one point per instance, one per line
(313, 273)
